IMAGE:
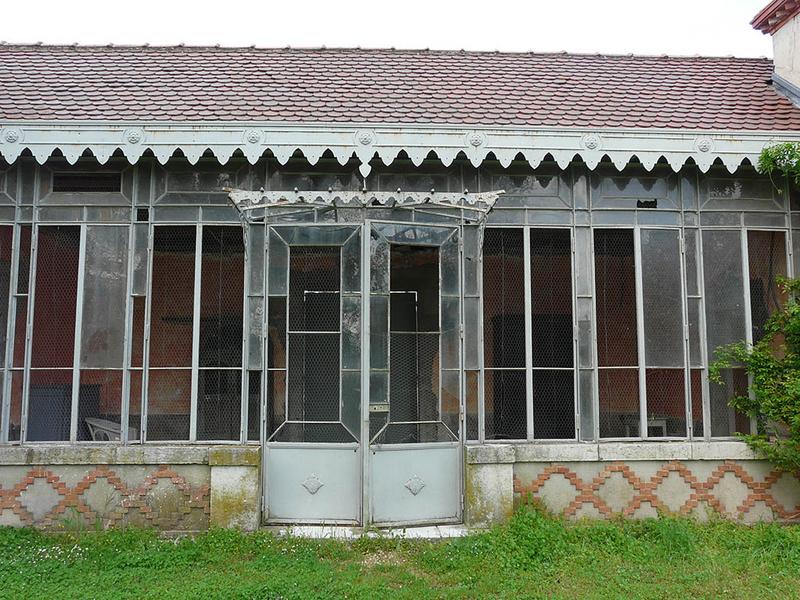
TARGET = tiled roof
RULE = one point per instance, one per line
(389, 86)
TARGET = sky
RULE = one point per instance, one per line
(679, 27)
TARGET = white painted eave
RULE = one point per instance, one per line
(385, 141)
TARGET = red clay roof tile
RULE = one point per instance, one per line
(389, 86)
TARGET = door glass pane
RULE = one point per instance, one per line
(104, 292)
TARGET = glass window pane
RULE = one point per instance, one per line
(172, 305)
(615, 297)
(276, 333)
(696, 391)
(254, 406)
(725, 421)
(662, 298)
(551, 297)
(105, 288)
(503, 298)
(724, 288)
(221, 297)
(57, 255)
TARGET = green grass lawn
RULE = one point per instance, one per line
(533, 556)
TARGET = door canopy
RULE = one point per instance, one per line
(257, 206)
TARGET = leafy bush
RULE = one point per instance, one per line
(773, 363)
(781, 159)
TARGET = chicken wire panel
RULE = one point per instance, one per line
(618, 391)
(172, 296)
(471, 404)
(219, 404)
(253, 406)
(766, 254)
(661, 298)
(15, 413)
(6, 238)
(24, 260)
(49, 406)
(221, 297)
(135, 405)
(414, 377)
(503, 298)
(725, 420)
(615, 297)
(276, 332)
(100, 406)
(666, 403)
(551, 298)
(314, 288)
(57, 256)
(313, 377)
(169, 399)
(553, 404)
(696, 393)
(275, 391)
(505, 405)
(105, 287)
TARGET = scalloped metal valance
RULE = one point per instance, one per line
(474, 206)
(385, 142)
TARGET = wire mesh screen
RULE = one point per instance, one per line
(219, 404)
(414, 345)
(766, 253)
(619, 403)
(725, 421)
(553, 401)
(314, 345)
(504, 334)
(99, 406)
(617, 345)
(666, 408)
(169, 389)
(57, 252)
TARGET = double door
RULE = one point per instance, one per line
(363, 387)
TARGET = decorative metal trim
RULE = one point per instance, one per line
(247, 201)
(414, 485)
(386, 142)
(312, 484)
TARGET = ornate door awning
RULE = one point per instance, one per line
(255, 206)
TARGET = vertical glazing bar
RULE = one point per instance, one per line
(481, 369)
(76, 354)
(637, 250)
(366, 297)
(526, 254)
(687, 369)
(748, 317)
(706, 394)
(127, 337)
(198, 268)
(26, 378)
(244, 393)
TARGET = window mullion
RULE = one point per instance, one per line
(76, 355)
(640, 341)
(526, 253)
(198, 255)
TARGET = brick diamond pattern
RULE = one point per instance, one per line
(390, 86)
(647, 497)
(187, 508)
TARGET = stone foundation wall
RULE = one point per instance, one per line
(168, 488)
(700, 480)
